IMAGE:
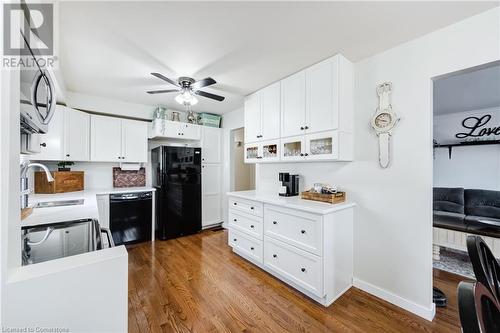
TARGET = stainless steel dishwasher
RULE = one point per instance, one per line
(130, 217)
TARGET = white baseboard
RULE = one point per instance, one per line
(419, 310)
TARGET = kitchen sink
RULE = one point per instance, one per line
(46, 204)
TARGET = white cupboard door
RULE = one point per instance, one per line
(211, 194)
(293, 104)
(321, 106)
(190, 131)
(211, 151)
(134, 141)
(270, 101)
(252, 152)
(322, 146)
(105, 139)
(252, 118)
(270, 151)
(52, 143)
(293, 148)
(172, 129)
(76, 135)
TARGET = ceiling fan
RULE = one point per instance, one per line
(187, 88)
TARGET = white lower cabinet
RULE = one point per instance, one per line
(307, 245)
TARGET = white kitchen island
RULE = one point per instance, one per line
(306, 244)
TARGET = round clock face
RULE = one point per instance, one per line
(383, 120)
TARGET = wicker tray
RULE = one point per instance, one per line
(330, 198)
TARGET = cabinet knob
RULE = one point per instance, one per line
(235, 220)
(275, 255)
(251, 208)
(302, 231)
(235, 239)
(43, 144)
(307, 127)
(303, 269)
(275, 222)
(252, 226)
(301, 128)
(306, 154)
(67, 155)
(251, 248)
(301, 154)
(234, 203)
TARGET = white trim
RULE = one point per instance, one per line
(419, 310)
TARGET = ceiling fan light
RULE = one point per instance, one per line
(194, 100)
(179, 99)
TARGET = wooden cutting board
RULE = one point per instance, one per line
(64, 181)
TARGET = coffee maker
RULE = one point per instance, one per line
(289, 184)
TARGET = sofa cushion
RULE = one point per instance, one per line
(448, 199)
(449, 220)
(481, 225)
(485, 203)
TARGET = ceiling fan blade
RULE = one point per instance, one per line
(203, 83)
(164, 78)
(209, 95)
(162, 91)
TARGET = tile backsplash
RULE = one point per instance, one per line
(129, 178)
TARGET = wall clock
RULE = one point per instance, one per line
(383, 122)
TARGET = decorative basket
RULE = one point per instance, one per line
(329, 198)
(208, 119)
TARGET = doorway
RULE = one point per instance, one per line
(242, 174)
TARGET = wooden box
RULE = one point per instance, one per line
(330, 198)
(64, 181)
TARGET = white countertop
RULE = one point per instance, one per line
(292, 202)
(68, 213)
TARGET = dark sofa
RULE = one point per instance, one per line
(471, 211)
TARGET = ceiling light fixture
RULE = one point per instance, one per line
(186, 97)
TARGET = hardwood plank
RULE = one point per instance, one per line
(197, 284)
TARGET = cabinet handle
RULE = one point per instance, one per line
(43, 144)
(234, 239)
(275, 222)
(301, 128)
(234, 203)
(251, 248)
(302, 231)
(252, 226)
(235, 220)
(307, 127)
(306, 154)
(301, 154)
(275, 255)
(303, 269)
(67, 155)
(251, 208)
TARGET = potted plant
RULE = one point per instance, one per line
(64, 165)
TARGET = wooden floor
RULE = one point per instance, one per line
(196, 284)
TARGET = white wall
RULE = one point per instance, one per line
(469, 167)
(393, 219)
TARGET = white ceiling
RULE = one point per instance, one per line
(108, 49)
(471, 90)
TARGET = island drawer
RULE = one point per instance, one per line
(247, 206)
(297, 228)
(247, 223)
(246, 244)
(300, 267)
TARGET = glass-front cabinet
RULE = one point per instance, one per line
(293, 148)
(322, 146)
(266, 151)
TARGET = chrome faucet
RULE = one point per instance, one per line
(25, 191)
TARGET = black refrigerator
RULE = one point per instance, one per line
(176, 175)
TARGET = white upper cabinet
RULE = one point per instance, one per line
(252, 118)
(211, 143)
(175, 130)
(77, 135)
(134, 141)
(105, 139)
(321, 97)
(118, 140)
(317, 100)
(190, 131)
(293, 104)
(270, 102)
(67, 138)
(262, 114)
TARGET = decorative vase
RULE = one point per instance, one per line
(175, 116)
(191, 118)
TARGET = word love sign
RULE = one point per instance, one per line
(476, 127)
